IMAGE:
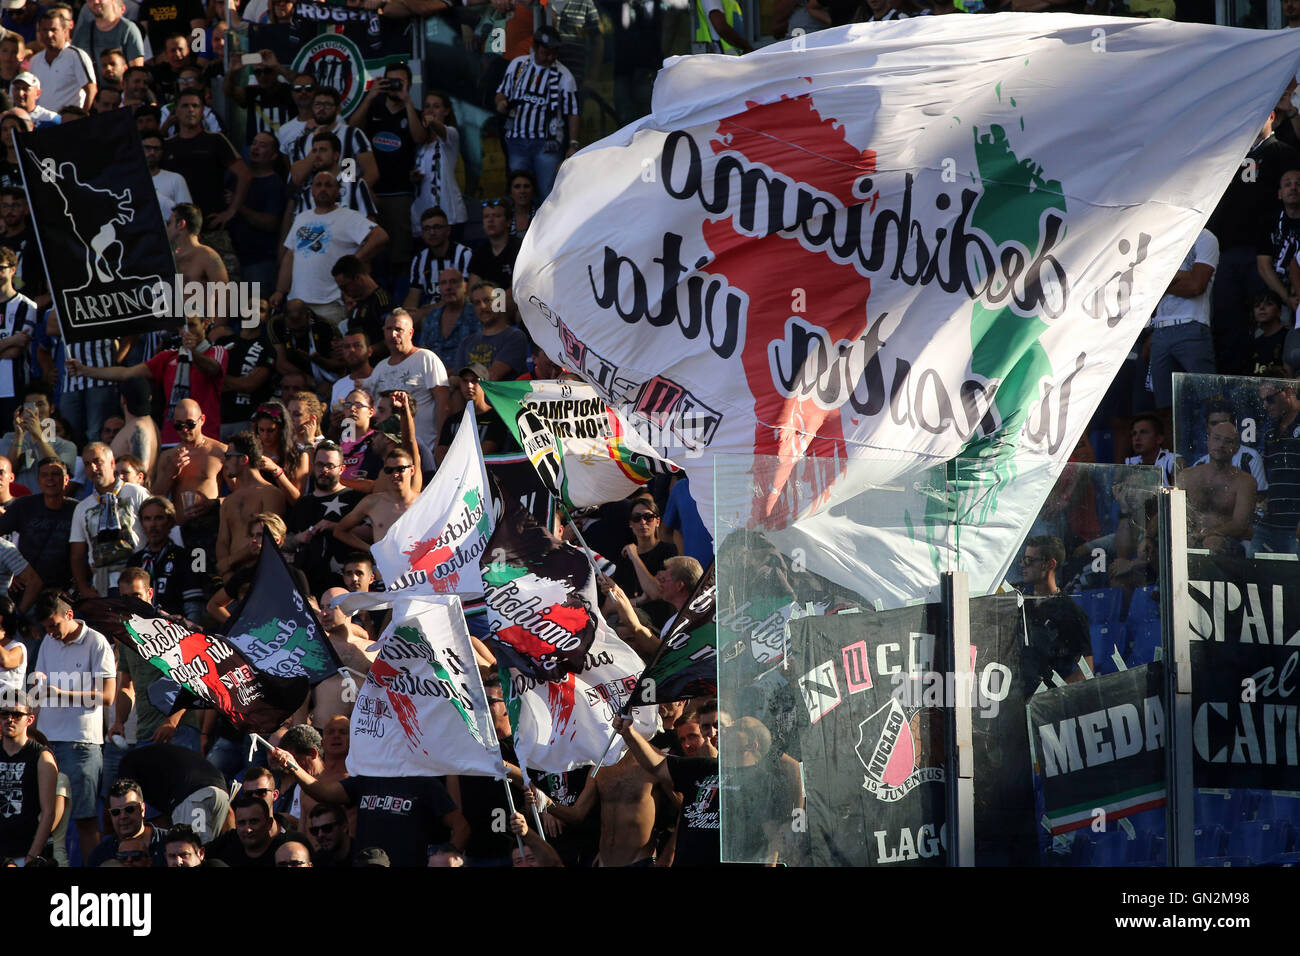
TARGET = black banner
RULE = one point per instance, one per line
(99, 226)
(1245, 650)
(1006, 826)
(1100, 746)
(873, 756)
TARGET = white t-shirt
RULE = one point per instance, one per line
(15, 678)
(85, 520)
(172, 189)
(289, 133)
(1173, 308)
(73, 666)
(342, 387)
(416, 374)
(62, 80)
(317, 241)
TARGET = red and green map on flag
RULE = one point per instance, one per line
(585, 451)
(540, 596)
(435, 547)
(207, 667)
(422, 710)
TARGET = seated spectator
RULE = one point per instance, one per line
(126, 808)
(328, 826)
(295, 851)
(500, 347)
(256, 837)
(1220, 496)
(185, 849)
(1147, 435)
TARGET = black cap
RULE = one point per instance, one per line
(545, 36)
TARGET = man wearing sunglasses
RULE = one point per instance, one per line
(28, 776)
(381, 509)
(126, 810)
(303, 91)
(328, 828)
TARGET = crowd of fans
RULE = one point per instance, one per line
(149, 465)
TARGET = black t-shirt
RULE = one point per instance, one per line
(322, 558)
(625, 577)
(202, 162)
(497, 269)
(246, 355)
(483, 801)
(1058, 636)
(698, 833)
(43, 536)
(168, 774)
(400, 815)
(170, 572)
(1252, 193)
(368, 316)
(316, 339)
(268, 194)
(1266, 350)
(577, 844)
(490, 428)
(20, 799)
(229, 850)
(390, 137)
(166, 17)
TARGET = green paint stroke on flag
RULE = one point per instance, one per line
(444, 675)
(1014, 200)
(300, 647)
(498, 573)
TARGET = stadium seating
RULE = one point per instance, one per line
(1259, 840)
(1105, 641)
(1143, 606)
(1144, 640)
(1226, 808)
(1104, 606)
(1210, 841)
(1225, 861)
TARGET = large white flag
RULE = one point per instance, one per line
(560, 725)
(435, 547)
(896, 244)
(422, 710)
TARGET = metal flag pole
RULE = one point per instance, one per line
(537, 817)
(510, 802)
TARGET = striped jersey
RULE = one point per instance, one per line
(352, 195)
(17, 314)
(97, 353)
(425, 268)
(540, 98)
(353, 140)
(1165, 461)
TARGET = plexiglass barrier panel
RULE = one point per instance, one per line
(835, 684)
(1239, 444)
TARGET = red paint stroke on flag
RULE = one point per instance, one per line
(560, 697)
(196, 647)
(403, 707)
(793, 139)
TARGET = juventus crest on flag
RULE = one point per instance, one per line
(99, 226)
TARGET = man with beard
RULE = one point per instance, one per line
(318, 554)
(355, 146)
(328, 825)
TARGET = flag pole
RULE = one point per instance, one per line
(591, 558)
(599, 763)
(510, 802)
(537, 817)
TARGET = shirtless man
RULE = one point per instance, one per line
(627, 797)
(139, 436)
(381, 508)
(253, 495)
(1220, 496)
(350, 641)
(197, 262)
(191, 466)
